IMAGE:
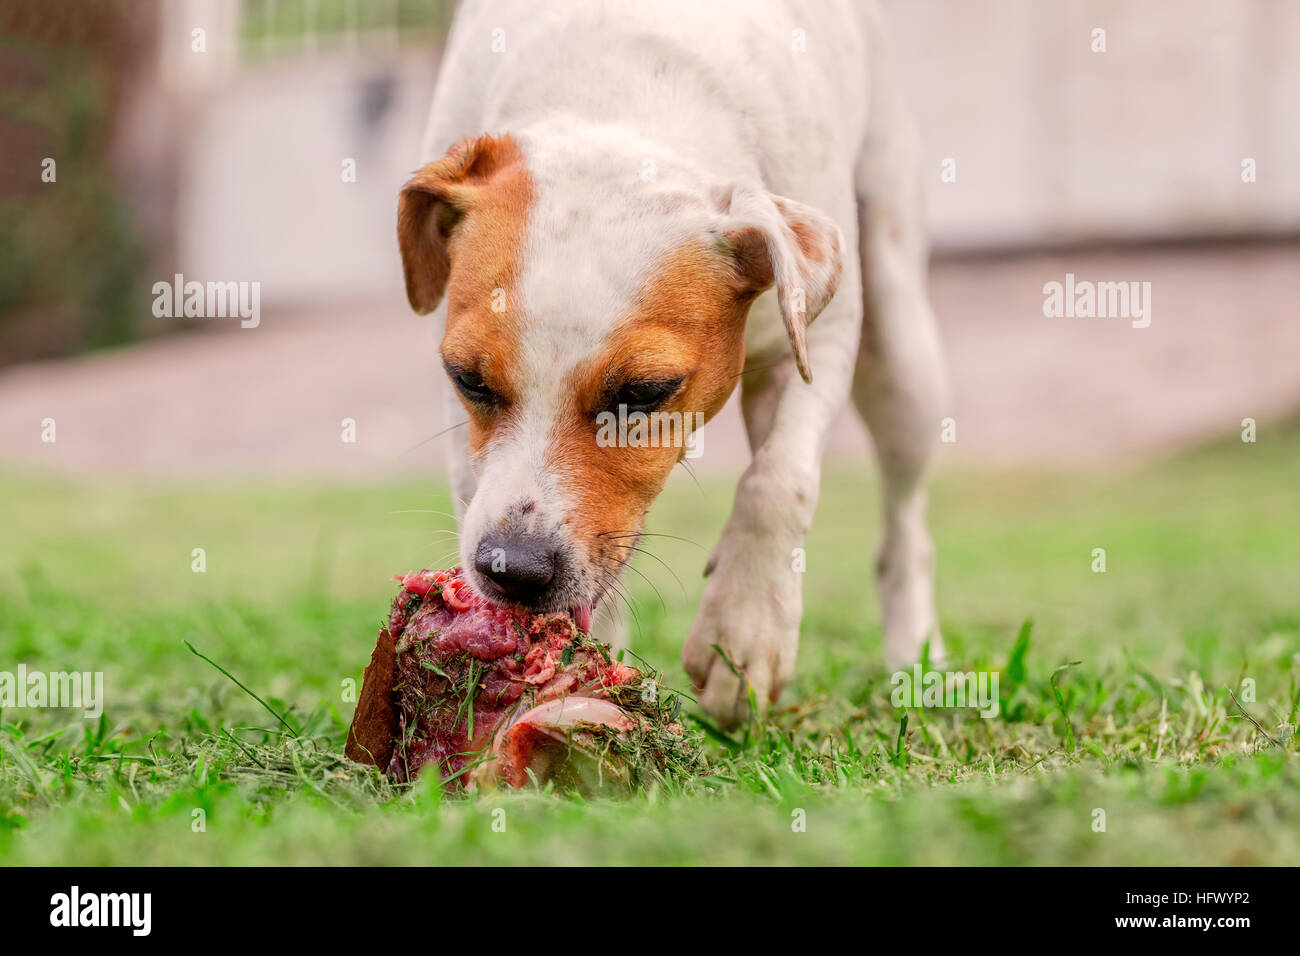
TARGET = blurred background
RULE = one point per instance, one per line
(265, 141)
(201, 490)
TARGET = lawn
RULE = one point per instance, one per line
(1114, 686)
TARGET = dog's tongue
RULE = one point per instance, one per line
(582, 618)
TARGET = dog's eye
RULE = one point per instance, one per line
(645, 396)
(472, 386)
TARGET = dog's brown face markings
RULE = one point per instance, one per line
(688, 322)
(688, 325)
(471, 207)
(684, 325)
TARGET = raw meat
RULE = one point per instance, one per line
(486, 695)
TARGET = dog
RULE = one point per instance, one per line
(643, 204)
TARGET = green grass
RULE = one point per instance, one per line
(1202, 591)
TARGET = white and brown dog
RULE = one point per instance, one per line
(645, 203)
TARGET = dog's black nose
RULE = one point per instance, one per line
(521, 566)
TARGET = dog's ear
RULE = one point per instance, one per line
(773, 240)
(432, 205)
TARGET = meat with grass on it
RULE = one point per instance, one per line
(485, 695)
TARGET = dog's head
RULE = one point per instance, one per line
(581, 294)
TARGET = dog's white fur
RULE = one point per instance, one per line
(635, 117)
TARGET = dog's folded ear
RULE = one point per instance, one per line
(773, 240)
(432, 205)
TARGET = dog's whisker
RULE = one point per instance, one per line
(441, 562)
(691, 471)
(649, 582)
(649, 534)
(757, 368)
(611, 586)
(446, 531)
(608, 579)
(651, 554)
(435, 435)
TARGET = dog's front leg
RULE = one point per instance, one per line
(754, 596)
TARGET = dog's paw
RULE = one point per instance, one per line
(744, 638)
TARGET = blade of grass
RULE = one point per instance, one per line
(292, 731)
(1060, 703)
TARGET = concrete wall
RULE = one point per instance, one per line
(1052, 142)
(1056, 143)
